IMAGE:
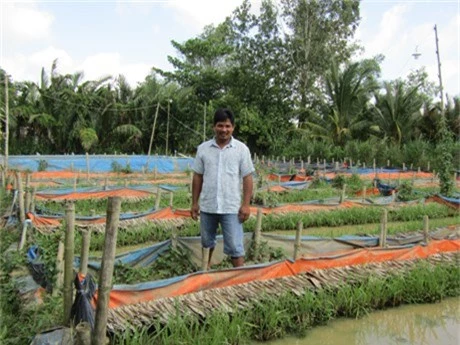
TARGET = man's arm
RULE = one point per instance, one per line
(245, 210)
(197, 184)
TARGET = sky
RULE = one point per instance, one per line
(130, 37)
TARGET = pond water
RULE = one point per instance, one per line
(424, 324)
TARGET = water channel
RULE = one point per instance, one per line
(425, 324)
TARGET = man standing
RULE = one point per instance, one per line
(220, 165)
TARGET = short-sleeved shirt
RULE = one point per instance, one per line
(223, 171)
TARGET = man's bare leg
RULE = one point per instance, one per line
(238, 262)
(211, 250)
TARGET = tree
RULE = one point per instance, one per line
(320, 31)
(348, 92)
(398, 112)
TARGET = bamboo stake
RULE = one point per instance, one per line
(87, 167)
(342, 195)
(174, 238)
(68, 260)
(107, 264)
(426, 229)
(59, 269)
(158, 199)
(298, 240)
(204, 259)
(32, 200)
(258, 229)
(22, 215)
(383, 229)
(27, 200)
(85, 242)
(23, 234)
(171, 199)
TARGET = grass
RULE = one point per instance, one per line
(373, 229)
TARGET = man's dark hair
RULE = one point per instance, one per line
(222, 115)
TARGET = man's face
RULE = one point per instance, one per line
(223, 130)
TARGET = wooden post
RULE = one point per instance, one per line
(75, 184)
(155, 173)
(32, 200)
(23, 235)
(404, 167)
(298, 239)
(434, 176)
(27, 200)
(373, 166)
(85, 243)
(158, 199)
(393, 196)
(279, 180)
(258, 229)
(71, 166)
(336, 166)
(426, 229)
(174, 238)
(68, 260)
(364, 192)
(106, 183)
(308, 160)
(428, 166)
(107, 264)
(342, 195)
(87, 166)
(388, 163)
(59, 269)
(383, 229)
(301, 165)
(171, 199)
(22, 215)
(411, 166)
(204, 259)
(418, 170)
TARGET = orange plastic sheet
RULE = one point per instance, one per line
(369, 192)
(218, 279)
(287, 178)
(123, 192)
(40, 221)
(439, 200)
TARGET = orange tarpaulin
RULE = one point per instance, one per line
(211, 280)
(123, 192)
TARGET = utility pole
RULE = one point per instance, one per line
(167, 126)
(7, 124)
(439, 70)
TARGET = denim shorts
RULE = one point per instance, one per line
(232, 231)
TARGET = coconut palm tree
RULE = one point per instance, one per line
(398, 112)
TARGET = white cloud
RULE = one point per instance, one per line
(28, 67)
(103, 64)
(389, 30)
(25, 22)
(200, 13)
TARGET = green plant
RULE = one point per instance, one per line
(42, 165)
